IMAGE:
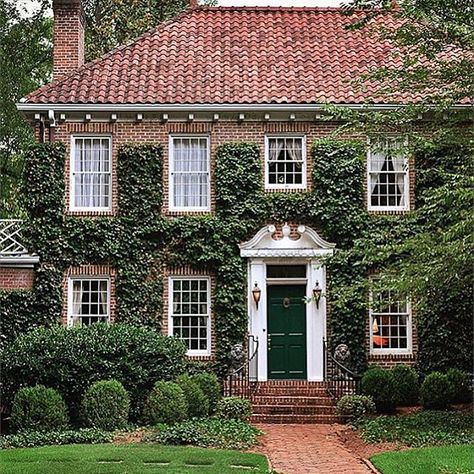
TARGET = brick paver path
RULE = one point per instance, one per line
(307, 449)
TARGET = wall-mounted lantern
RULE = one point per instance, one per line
(256, 293)
(317, 291)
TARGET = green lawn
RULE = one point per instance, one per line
(128, 459)
(436, 460)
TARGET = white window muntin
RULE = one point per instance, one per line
(302, 185)
(376, 158)
(104, 173)
(81, 295)
(392, 309)
(207, 315)
(176, 175)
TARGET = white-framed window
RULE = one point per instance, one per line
(189, 312)
(88, 300)
(390, 323)
(189, 179)
(285, 162)
(388, 178)
(91, 173)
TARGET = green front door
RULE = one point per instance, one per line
(286, 326)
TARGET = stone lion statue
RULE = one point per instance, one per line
(237, 356)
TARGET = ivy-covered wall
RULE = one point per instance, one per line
(140, 242)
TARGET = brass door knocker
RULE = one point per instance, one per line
(286, 302)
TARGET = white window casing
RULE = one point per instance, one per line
(388, 186)
(90, 173)
(285, 162)
(189, 173)
(88, 300)
(189, 312)
(390, 325)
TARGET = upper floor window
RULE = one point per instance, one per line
(88, 301)
(189, 174)
(390, 323)
(190, 313)
(91, 178)
(388, 176)
(285, 163)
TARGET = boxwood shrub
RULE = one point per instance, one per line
(198, 403)
(355, 406)
(166, 403)
(459, 386)
(435, 391)
(378, 384)
(38, 408)
(211, 387)
(70, 359)
(234, 408)
(105, 405)
(405, 381)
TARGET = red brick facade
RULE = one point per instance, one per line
(14, 278)
(154, 130)
(68, 52)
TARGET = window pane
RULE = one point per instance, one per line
(90, 301)
(91, 180)
(285, 161)
(191, 296)
(190, 173)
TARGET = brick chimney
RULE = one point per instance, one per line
(68, 49)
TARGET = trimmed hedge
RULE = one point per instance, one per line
(355, 406)
(234, 408)
(405, 381)
(105, 405)
(198, 403)
(70, 359)
(209, 384)
(166, 403)
(38, 408)
(435, 391)
(378, 383)
(459, 386)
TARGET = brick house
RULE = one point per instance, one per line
(209, 77)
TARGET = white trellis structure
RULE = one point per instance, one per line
(12, 249)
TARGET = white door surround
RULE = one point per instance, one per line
(306, 247)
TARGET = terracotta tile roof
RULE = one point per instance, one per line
(233, 55)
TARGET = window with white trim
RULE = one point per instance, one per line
(190, 313)
(390, 323)
(189, 173)
(285, 162)
(88, 301)
(91, 173)
(388, 176)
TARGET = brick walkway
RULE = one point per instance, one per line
(307, 449)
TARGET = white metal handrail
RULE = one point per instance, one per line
(11, 238)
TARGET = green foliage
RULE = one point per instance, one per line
(212, 433)
(459, 386)
(70, 359)
(406, 384)
(166, 403)
(29, 439)
(234, 408)
(378, 384)
(197, 401)
(355, 406)
(435, 391)
(38, 408)
(105, 405)
(211, 387)
(425, 428)
(25, 62)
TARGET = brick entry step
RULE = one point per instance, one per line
(293, 401)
